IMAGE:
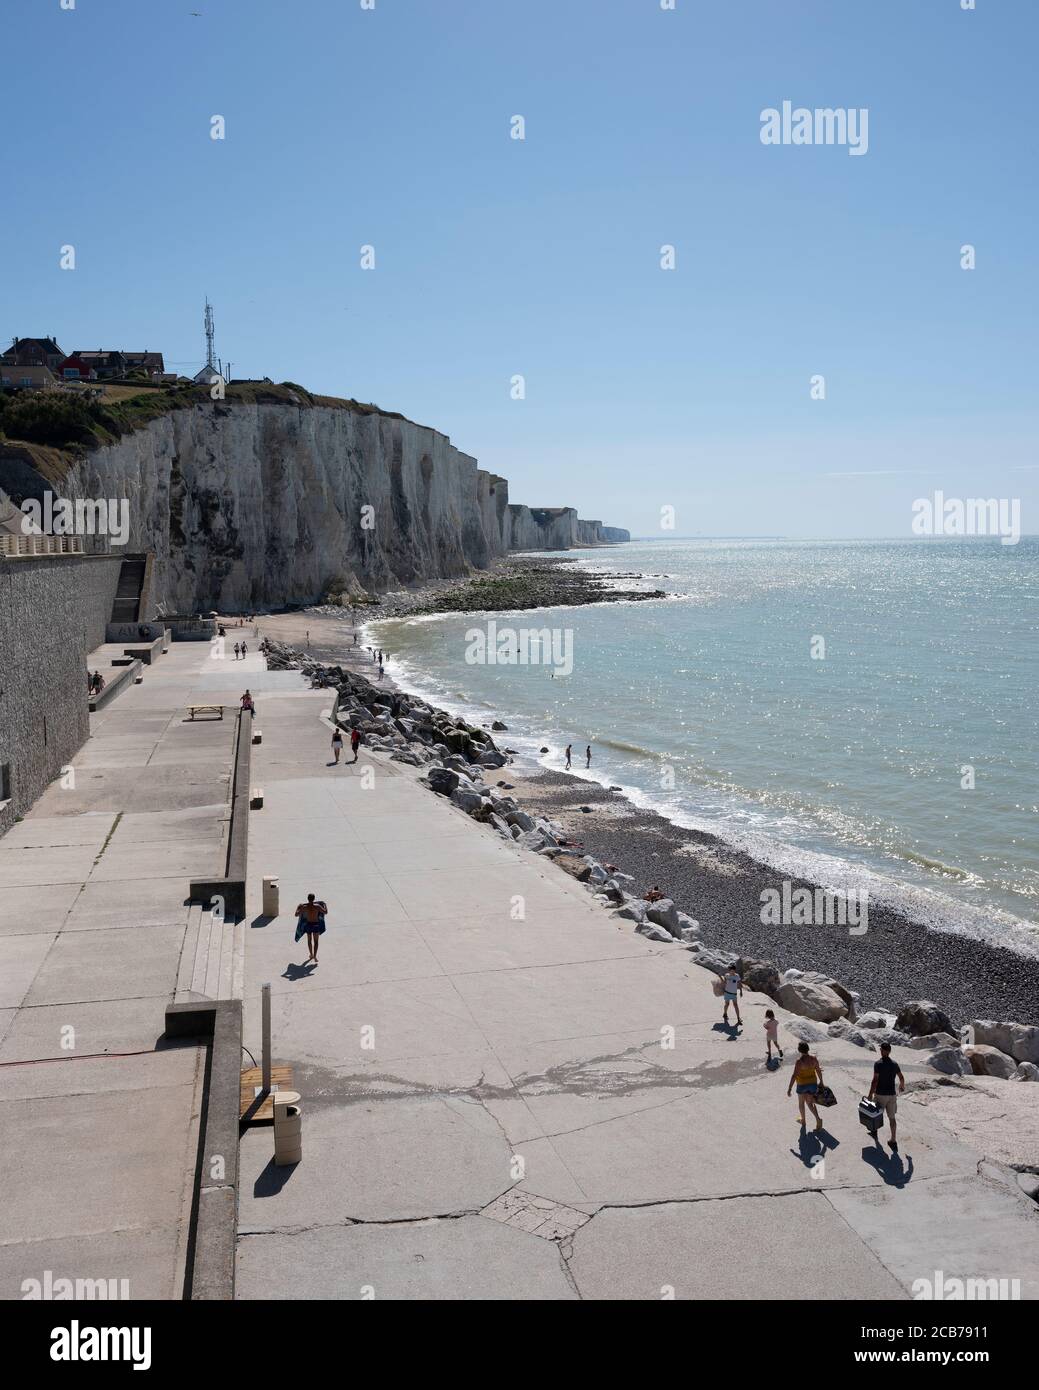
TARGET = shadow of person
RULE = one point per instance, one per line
(731, 1030)
(772, 1063)
(890, 1166)
(262, 921)
(298, 972)
(273, 1179)
(813, 1144)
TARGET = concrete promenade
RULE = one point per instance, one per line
(493, 1107)
(100, 1115)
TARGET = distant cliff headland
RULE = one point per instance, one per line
(273, 495)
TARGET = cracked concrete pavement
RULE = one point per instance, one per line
(545, 1106)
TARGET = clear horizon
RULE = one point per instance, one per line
(496, 257)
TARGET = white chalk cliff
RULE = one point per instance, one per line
(253, 504)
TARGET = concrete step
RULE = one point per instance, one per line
(212, 963)
(186, 969)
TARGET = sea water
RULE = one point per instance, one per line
(862, 711)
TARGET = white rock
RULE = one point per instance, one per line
(814, 1001)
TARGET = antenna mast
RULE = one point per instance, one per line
(210, 354)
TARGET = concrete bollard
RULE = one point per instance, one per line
(257, 736)
(256, 799)
(271, 895)
(288, 1128)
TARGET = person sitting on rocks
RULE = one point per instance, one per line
(653, 895)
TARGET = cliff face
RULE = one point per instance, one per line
(249, 505)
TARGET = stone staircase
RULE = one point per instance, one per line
(212, 960)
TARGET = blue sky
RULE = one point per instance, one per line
(495, 257)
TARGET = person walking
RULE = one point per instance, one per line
(244, 650)
(807, 1075)
(308, 636)
(771, 1036)
(569, 751)
(355, 741)
(310, 918)
(733, 984)
(337, 743)
(588, 756)
(882, 1090)
(236, 651)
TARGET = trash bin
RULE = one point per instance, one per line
(288, 1128)
(270, 896)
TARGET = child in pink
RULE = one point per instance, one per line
(772, 1035)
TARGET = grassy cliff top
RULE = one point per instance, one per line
(73, 423)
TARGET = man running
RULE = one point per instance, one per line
(882, 1090)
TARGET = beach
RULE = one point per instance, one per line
(896, 959)
(893, 960)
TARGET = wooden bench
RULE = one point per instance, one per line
(206, 709)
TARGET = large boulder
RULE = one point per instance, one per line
(876, 1018)
(932, 1040)
(664, 913)
(920, 1016)
(653, 932)
(841, 1028)
(469, 801)
(1017, 1040)
(989, 1061)
(442, 780)
(404, 755)
(758, 975)
(807, 1032)
(575, 867)
(893, 1036)
(814, 977)
(811, 1000)
(632, 911)
(521, 819)
(1025, 1071)
(688, 927)
(718, 961)
(950, 1061)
